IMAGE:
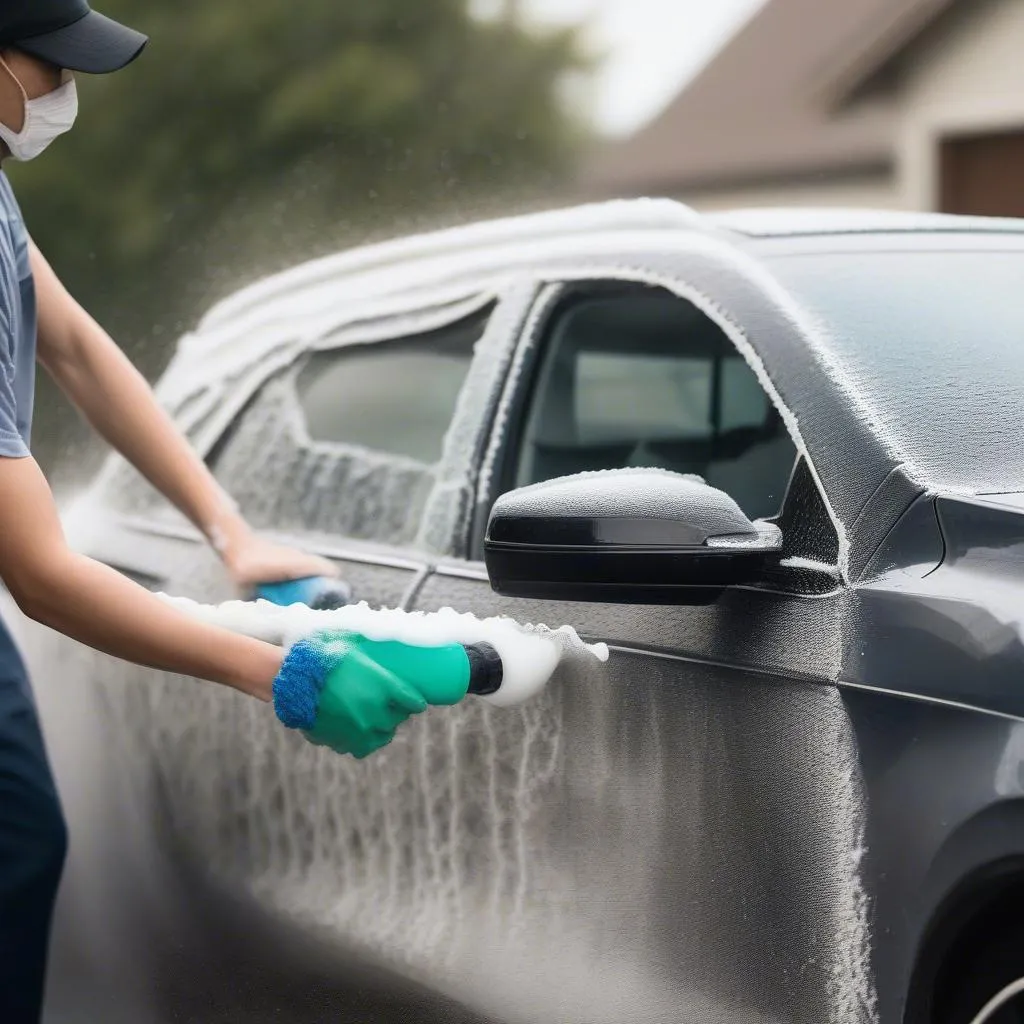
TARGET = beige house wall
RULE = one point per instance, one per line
(879, 191)
(967, 79)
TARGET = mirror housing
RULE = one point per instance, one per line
(624, 536)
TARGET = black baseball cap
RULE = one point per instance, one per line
(69, 34)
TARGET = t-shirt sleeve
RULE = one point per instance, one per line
(12, 446)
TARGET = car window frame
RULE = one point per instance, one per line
(498, 474)
(380, 325)
(377, 323)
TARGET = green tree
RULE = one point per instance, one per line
(253, 133)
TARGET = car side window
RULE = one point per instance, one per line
(348, 441)
(643, 378)
(395, 396)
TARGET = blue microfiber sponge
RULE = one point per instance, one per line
(299, 682)
(319, 592)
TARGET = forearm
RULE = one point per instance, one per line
(119, 404)
(115, 398)
(99, 607)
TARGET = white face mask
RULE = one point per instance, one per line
(46, 118)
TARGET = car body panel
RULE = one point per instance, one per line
(954, 633)
(943, 788)
(688, 845)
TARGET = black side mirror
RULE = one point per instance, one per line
(630, 536)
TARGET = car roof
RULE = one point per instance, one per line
(405, 263)
(785, 222)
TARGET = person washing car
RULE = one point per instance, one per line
(42, 44)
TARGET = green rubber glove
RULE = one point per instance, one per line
(440, 675)
(361, 705)
(351, 694)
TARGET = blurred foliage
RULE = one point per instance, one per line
(253, 133)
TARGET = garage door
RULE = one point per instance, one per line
(984, 175)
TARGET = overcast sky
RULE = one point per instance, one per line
(653, 47)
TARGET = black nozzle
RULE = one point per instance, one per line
(485, 669)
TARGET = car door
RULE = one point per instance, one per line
(358, 443)
(673, 836)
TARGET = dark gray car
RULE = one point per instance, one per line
(798, 800)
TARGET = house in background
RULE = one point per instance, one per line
(899, 104)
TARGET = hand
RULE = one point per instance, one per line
(342, 698)
(253, 560)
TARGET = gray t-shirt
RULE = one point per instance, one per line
(17, 329)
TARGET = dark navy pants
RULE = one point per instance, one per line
(33, 842)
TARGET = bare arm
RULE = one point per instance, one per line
(100, 608)
(118, 402)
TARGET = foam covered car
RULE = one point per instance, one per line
(795, 793)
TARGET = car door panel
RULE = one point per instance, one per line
(759, 630)
(208, 802)
(680, 835)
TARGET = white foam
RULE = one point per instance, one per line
(529, 653)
